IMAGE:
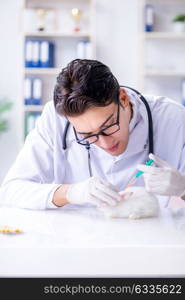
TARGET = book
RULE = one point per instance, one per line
(149, 18)
(28, 53)
(183, 91)
(46, 54)
(37, 91)
(27, 91)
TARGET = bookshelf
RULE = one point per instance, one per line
(162, 50)
(48, 23)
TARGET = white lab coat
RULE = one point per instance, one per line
(42, 165)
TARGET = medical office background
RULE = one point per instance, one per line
(143, 42)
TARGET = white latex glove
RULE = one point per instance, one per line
(163, 179)
(93, 190)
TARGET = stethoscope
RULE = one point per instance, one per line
(150, 129)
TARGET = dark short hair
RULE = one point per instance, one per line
(82, 84)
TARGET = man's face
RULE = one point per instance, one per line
(96, 119)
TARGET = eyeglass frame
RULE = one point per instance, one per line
(79, 141)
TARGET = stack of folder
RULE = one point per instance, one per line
(84, 50)
(30, 121)
(39, 54)
(33, 91)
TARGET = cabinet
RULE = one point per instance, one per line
(54, 32)
(162, 50)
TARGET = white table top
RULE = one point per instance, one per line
(80, 242)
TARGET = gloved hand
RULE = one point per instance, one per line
(93, 190)
(164, 180)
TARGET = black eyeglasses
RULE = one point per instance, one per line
(93, 138)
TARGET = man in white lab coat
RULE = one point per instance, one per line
(107, 138)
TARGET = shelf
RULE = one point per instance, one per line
(45, 2)
(163, 35)
(42, 71)
(165, 73)
(79, 35)
(33, 108)
(58, 30)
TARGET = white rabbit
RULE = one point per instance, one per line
(136, 203)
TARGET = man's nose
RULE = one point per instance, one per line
(104, 141)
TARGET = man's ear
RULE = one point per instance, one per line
(123, 97)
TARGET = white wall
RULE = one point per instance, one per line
(117, 33)
(117, 38)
